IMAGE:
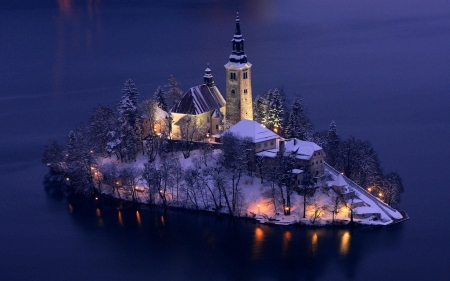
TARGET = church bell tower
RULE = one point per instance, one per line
(238, 81)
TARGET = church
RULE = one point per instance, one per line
(201, 109)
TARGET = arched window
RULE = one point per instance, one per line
(233, 91)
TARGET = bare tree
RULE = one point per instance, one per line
(129, 176)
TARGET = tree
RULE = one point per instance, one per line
(275, 112)
(260, 110)
(391, 188)
(53, 154)
(101, 122)
(174, 92)
(334, 204)
(160, 98)
(129, 176)
(111, 176)
(129, 122)
(298, 124)
(79, 161)
(332, 149)
(190, 130)
(307, 185)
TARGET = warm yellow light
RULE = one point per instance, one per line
(96, 198)
(380, 194)
(369, 189)
(67, 179)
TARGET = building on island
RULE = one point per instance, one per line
(202, 108)
(199, 112)
(238, 81)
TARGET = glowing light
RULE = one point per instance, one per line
(314, 244)
(97, 212)
(345, 243)
(369, 189)
(380, 194)
(119, 216)
(70, 208)
(67, 179)
(287, 236)
(163, 221)
(138, 218)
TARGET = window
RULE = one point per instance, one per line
(259, 145)
(217, 127)
(233, 91)
(265, 144)
(245, 75)
(320, 161)
(245, 91)
(271, 143)
(232, 75)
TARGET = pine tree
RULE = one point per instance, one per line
(333, 147)
(160, 97)
(275, 116)
(129, 122)
(298, 124)
(174, 92)
(260, 110)
(101, 122)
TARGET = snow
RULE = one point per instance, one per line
(238, 65)
(252, 129)
(339, 181)
(370, 211)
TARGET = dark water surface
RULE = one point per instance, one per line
(379, 69)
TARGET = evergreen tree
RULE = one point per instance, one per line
(79, 161)
(160, 97)
(332, 148)
(260, 110)
(275, 101)
(129, 122)
(174, 92)
(101, 122)
(298, 124)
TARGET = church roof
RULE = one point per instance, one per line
(252, 129)
(198, 100)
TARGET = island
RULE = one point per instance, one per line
(256, 158)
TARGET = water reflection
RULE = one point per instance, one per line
(345, 244)
(99, 216)
(257, 244)
(138, 219)
(287, 236)
(119, 217)
(70, 208)
(162, 220)
(314, 244)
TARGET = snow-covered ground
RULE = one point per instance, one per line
(319, 208)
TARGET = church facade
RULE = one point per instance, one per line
(201, 110)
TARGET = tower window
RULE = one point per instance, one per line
(232, 75)
(233, 91)
(245, 91)
(245, 75)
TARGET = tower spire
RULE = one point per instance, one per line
(208, 78)
(238, 55)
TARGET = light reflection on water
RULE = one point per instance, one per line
(314, 243)
(258, 243)
(345, 244)
(138, 219)
(119, 217)
(287, 236)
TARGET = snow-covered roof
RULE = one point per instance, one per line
(304, 149)
(252, 129)
(198, 100)
(238, 65)
(339, 181)
(160, 114)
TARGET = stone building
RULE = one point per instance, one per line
(199, 112)
(238, 81)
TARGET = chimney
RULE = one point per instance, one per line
(295, 141)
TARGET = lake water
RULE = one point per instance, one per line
(379, 69)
